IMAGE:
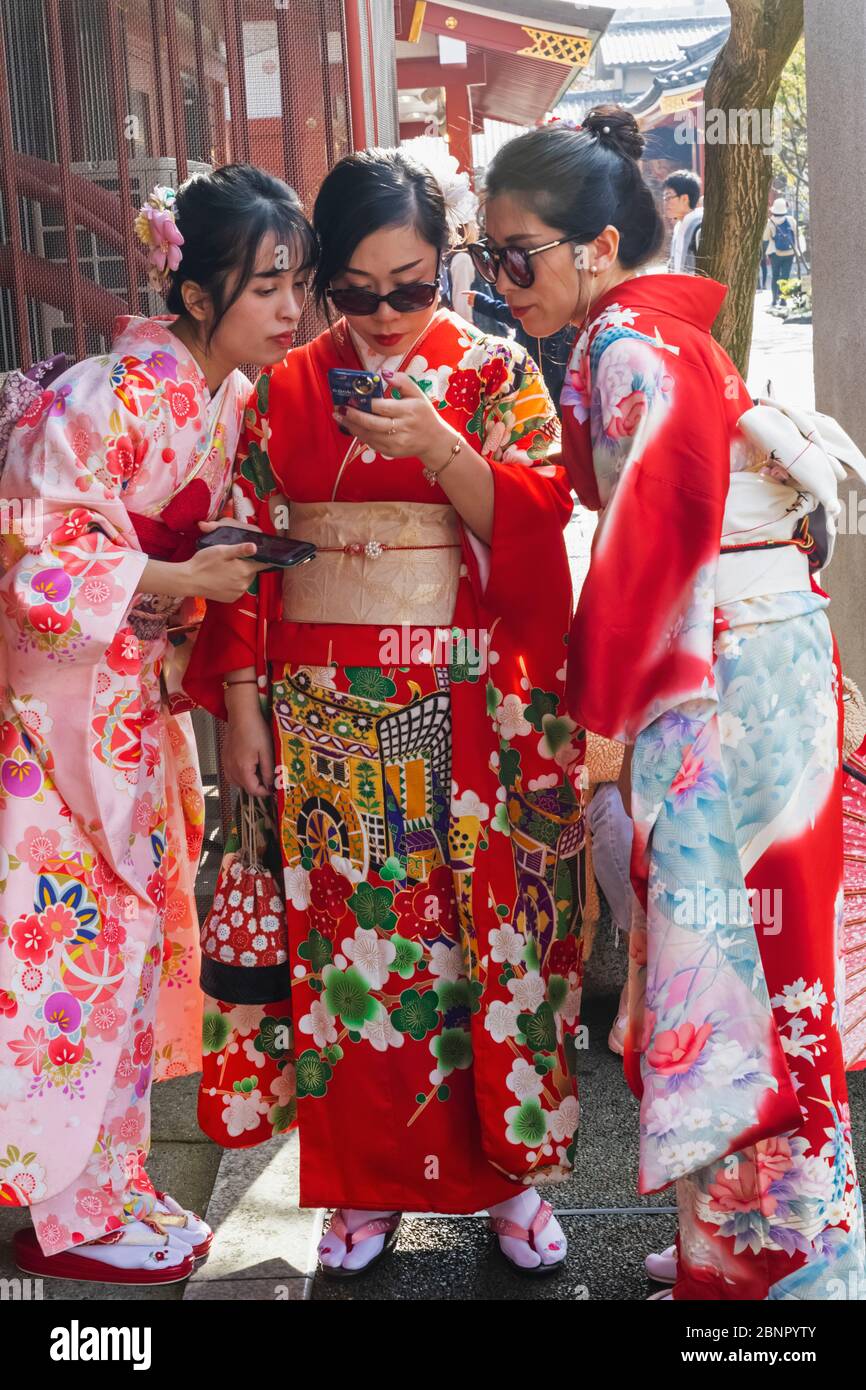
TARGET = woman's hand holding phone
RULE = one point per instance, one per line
(221, 573)
(403, 426)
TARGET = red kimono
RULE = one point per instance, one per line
(710, 651)
(433, 883)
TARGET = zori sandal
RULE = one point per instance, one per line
(383, 1225)
(138, 1253)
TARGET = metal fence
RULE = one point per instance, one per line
(102, 99)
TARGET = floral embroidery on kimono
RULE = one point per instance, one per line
(716, 661)
(430, 821)
(101, 806)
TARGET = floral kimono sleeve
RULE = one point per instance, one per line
(642, 638)
(231, 635)
(72, 568)
(532, 498)
(73, 565)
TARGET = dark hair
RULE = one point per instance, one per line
(223, 216)
(369, 190)
(685, 181)
(584, 180)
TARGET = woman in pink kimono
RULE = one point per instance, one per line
(110, 475)
(702, 640)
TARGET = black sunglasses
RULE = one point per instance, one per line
(516, 261)
(405, 299)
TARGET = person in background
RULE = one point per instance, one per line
(681, 204)
(461, 273)
(609, 835)
(782, 236)
(764, 264)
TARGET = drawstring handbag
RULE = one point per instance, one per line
(247, 1090)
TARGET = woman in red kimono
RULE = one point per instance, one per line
(701, 640)
(429, 823)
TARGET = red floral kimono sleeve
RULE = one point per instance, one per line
(232, 635)
(642, 637)
(532, 497)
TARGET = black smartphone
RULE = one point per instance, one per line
(280, 551)
(359, 388)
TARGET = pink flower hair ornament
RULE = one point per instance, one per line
(156, 228)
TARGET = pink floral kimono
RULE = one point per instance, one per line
(101, 809)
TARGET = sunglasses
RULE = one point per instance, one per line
(516, 261)
(405, 299)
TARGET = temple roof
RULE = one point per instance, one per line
(655, 42)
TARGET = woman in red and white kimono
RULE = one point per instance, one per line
(101, 809)
(430, 825)
(701, 640)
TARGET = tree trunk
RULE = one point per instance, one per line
(745, 77)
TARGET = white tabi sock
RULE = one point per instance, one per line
(552, 1246)
(332, 1250)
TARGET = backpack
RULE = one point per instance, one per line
(783, 236)
(690, 255)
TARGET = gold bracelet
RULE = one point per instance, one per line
(432, 474)
(245, 680)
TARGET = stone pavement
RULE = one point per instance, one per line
(265, 1246)
(782, 356)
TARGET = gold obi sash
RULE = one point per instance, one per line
(379, 564)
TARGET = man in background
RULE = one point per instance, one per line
(681, 199)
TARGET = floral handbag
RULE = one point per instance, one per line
(247, 1090)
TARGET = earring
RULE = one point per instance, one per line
(593, 272)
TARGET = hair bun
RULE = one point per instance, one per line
(616, 128)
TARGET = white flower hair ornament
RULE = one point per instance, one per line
(157, 229)
(461, 204)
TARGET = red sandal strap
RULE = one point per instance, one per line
(540, 1220)
(381, 1226)
(339, 1227)
(503, 1227)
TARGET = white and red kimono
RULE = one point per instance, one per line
(700, 638)
(101, 809)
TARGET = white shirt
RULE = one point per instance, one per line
(462, 274)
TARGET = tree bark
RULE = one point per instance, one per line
(744, 77)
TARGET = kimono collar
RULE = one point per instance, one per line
(372, 361)
(140, 337)
(348, 339)
(693, 298)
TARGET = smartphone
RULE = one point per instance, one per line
(359, 388)
(279, 551)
